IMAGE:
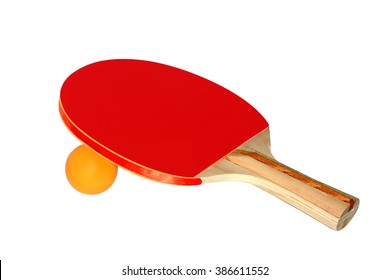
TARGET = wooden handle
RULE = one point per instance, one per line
(320, 201)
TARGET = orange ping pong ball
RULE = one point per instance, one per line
(88, 172)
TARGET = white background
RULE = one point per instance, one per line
(317, 71)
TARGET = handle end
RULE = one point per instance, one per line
(348, 215)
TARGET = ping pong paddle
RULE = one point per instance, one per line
(176, 127)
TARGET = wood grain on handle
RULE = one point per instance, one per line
(322, 202)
